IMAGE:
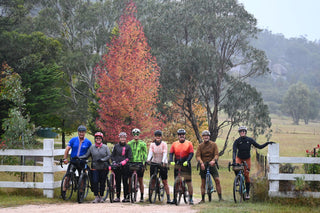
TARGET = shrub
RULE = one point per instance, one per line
(313, 168)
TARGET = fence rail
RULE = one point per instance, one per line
(48, 168)
(274, 176)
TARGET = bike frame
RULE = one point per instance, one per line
(156, 186)
(239, 182)
(179, 187)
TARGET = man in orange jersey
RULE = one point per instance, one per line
(183, 153)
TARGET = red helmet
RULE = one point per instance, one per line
(98, 134)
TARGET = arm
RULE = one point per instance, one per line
(150, 153)
(106, 158)
(255, 144)
(88, 153)
(165, 154)
(145, 152)
(198, 155)
(66, 152)
(234, 153)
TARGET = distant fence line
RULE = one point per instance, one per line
(274, 176)
(263, 163)
(48, 168)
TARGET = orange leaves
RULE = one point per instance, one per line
(128, 79)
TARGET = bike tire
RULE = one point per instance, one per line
(243, 189)
(82, 187)
(237, 192)
(161, 190)
(209, 186)
(68, 183)
(111, 187)
(177, 190)
(153, 189)
(106, 189)
(133, 190)
(185, 192)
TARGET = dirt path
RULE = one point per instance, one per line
(101, 207)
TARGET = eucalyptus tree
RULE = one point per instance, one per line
(203, 49)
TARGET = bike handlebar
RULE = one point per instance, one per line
(244, 163)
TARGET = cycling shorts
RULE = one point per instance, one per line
(213, 171)
(163, 172)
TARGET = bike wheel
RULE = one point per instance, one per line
(185, 192)
(177, 190)
(82, 187)
(161, 190)
(243, 189)
(67, 186)
(111, 187)
(153, 189)
(237, 191)
(106, 190)
(133, 190)
(209, 186)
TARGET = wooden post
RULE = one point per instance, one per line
(48, 177)
(273, 154)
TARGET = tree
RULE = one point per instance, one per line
(296, 102)
(128, 80)
(203, 48)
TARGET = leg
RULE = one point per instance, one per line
(140, 179)
(203, 184)
(95, 180)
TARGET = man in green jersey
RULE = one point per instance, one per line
(139, 155)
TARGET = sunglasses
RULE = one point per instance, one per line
(136, 134)
(181, 134)
(242, 131)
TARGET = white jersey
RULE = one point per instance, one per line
(158, 154)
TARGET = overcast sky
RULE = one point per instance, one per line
(292, 18)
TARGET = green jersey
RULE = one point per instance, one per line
(139, 150)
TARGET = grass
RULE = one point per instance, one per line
(293, 140)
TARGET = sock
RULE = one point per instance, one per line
(220, 196)
(248, 187)
(141, 196)
(190, 196)
(168, 197)
(202, 197)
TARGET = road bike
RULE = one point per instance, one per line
(179, 187)
(134, 186)
(156, 187)
(72, 183)
(239, 186)
(209, 188)
(111, 182)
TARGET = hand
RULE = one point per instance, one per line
(172, 163)
(185, 163)
(202, 166)
(212, 163)
(271, 142)
(124, 162)
(100, 160)
(65, 161)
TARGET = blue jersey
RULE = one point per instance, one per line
(76, 150)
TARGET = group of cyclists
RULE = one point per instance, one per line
(181, 153)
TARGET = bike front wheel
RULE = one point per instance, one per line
(134, 188)
(161, 190)
(185, 192)
(209, 186)
(67, 186)
(153, 188)
(106, 189)
(83, 187)
(177, 188)
(237, 189)
(111, 187)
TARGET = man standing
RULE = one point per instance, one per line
(183, 152)
(207, 155)
(139, 155)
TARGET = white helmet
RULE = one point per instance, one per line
(205, 132)
(136, 131)
(242, 128)
(122, 134)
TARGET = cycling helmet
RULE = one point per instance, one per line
(158, 133)
(242, 128)
(181, 132)
(123, 134)
(136, 131)
(205, 132)
(82, 128)
(98, 134)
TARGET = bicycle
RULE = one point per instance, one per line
(134, 186)
(239, 186)
(71, 182)
(111, 182)
(156, 186)
(179, 186)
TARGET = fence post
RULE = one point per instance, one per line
(273, 154)
(48, 177)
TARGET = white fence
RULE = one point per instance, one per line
(48, 168)
(274, 176)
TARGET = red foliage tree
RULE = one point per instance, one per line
(128, 77)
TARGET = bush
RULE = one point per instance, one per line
(260, 188)
(313, 168)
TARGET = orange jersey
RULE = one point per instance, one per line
(181, 150)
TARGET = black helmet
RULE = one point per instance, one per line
(205, 132)
(158, 133)
(181, 132)
(82, 128)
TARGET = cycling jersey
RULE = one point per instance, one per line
(158, 153)
(207, 151)
(243, 146)
(139, 150)
(75, 149)
(181, 151)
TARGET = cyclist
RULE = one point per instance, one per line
(121, 154)
(158, 154)
(241, 153)
(139, 155)
(100, 155)
(183, 152)
(208, 152)
(79, 146)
